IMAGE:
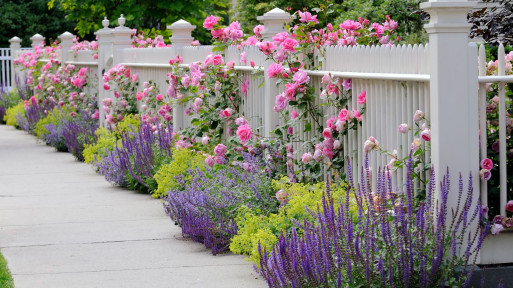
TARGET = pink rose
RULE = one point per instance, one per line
(318, 155)
(241, 121)
(290, 90)
(307, 17)
(258, 30)
(487, 164)
(328, 153)
(220, 150)
(106, 86)
(107, 102)
(205, 140)
(226, 113)
(509, 206)
(403, 128)
(210, 161)
(274, 70)
(419, 115)
(280, 37)
(340, 125)
(326, 133)
(426, 134)
(243, 58)
(337, 144)
(356, 114)
(290, 130)
(210, 22)
(217, 59)
(159, 97)
(289, 44)
(307, 157)
(244, 133)
(343, 115)
(219, 160)
(293, 114)
(415, 145)
(301, 78)
(496, 229)
(326, 79)
(280, 103)
(362, 98)
(139, 96)
(485, 174)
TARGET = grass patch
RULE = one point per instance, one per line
(5, 275)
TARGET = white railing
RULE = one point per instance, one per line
(5, 72)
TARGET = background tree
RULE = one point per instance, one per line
(141, 14)
(405, 12)
(24, 18)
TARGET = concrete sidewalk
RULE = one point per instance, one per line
(63, 225)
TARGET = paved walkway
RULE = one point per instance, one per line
(63, 225)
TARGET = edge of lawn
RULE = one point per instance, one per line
(5, 274)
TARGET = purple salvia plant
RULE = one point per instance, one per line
(79, 131)
(205, 205)
(394, 241)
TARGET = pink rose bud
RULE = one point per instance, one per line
(106, 86)
(419, 115)
(252, 63)
(426, 135)
(337, 144)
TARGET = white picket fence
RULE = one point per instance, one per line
(440, 79)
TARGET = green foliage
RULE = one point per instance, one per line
(107, 139)
(266, 229)
(183, 160)
(403, 11)
(145, 14)
(5, 276)
(9, 99)
(10, 117)
(24, 18)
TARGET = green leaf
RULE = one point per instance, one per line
(308, 127)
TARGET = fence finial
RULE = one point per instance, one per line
(181, 33)
(273, 22)
(105, 23)
(66, 44)
(121, 21)
(37, 39)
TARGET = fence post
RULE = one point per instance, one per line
(273, 21)
(15, 47)
(104, 61)
(181, 36)
(37, 39)
(453, 99)
(66, 44)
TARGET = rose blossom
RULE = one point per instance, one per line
(419, 115)
(326, 133)
(280, 103)
(293, 114)
(362, 98)
(343, 115)
(498, 219)
(509, 206)
(326, 79)
(426, 134)
(487, 164)
(258, 30)
(220, 150)
(318, 155)
(403, 128)
(244, 133)
(107, 102)
(241, 121)
(496, 229)
(337, 144)
(415, 145)
(210, 22)
(209, 161)
(205, 140)
(301, 78)
(485, 174)
(274, 70)
(307, 157)
(507, 222)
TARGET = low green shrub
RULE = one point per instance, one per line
(12, 112)
(183, 160)
(299, 202)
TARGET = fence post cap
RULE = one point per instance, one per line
(122, 27)
(276, 14)
(181, 24)
(105, 22)
(66, 36)
(15, 39)
(37, 36)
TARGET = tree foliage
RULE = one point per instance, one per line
(24, 18)
(405, 12)
(494, 24)
(140, 14)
